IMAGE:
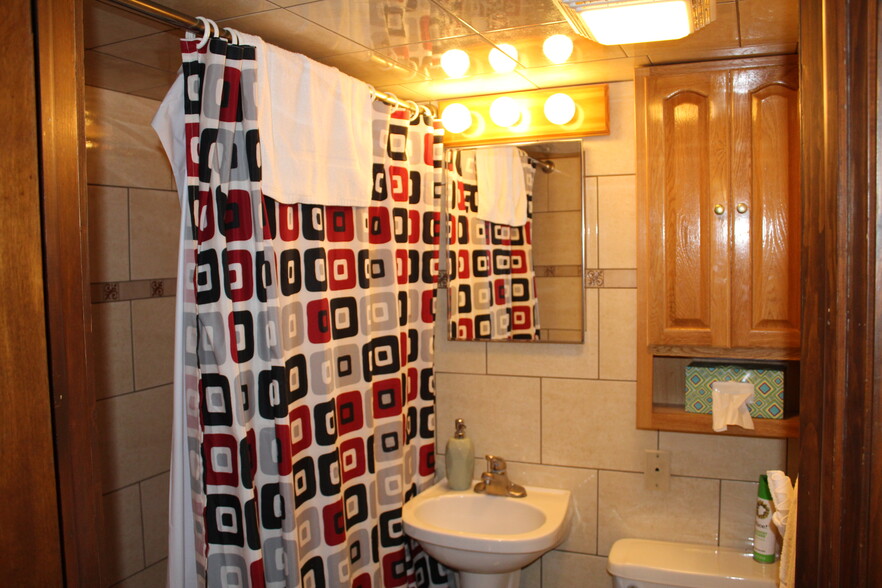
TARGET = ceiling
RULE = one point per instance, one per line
(395, 45)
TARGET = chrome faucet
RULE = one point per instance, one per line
(495, 480)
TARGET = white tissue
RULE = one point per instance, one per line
(730, 402)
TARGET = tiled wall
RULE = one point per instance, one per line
(563, 415)
(133, 228)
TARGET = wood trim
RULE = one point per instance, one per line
(30, 548)
(840, 481)
(66, 255)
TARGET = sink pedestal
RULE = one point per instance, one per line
(475, 580)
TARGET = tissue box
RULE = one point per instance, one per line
(768, 383)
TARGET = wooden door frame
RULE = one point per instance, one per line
(61, 103)
(840, 498)
(841, 400)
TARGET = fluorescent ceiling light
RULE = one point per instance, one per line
(621, 22)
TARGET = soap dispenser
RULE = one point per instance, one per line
(460, 458)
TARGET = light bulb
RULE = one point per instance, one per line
(557, 48)
(456, 118)
(560, 109)
(505, 112)
(503, 58)
(455, 63)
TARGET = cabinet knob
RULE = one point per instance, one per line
(719, 209)
(741, 208)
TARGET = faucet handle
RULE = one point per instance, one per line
(495, 464)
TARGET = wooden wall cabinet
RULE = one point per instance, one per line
(718, 228)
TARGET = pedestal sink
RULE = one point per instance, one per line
(487, 539)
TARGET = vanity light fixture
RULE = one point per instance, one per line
(559, 108)
(621, 22)
(505, 111)
(455, 63)
(557, 48)
(456, 118)
(520, 116)
(503, 58)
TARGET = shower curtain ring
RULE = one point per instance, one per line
(206, 34)
(415, 108)
(234, 35)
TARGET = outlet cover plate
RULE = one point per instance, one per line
(658, 470)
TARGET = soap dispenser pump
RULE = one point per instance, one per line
(460, 458)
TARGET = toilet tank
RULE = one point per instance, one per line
(644, 563)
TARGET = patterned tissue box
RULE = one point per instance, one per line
(768, 383)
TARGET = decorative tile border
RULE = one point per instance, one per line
(594, 278)
(132, 290)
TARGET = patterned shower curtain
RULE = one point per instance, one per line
(308, 346)
(492, 288)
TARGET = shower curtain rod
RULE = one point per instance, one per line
(177, 19)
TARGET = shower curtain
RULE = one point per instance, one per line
(492, 288)
(306, 368)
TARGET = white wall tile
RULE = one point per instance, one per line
(154, 512)
(561, 301)
(557, 238)
(152, 577)
(591, 424)
(112, 348)
(737, 514)
(108, 234)
(123, 553)
(153, 340)
(564, 184)
(618, 333)
(135, 436)
(561, 569)
(687, 512)
(617, 216)
(121, 147)
(501, 413)
(156, 226)
(543, 359)
(718, 456)
(616, 153)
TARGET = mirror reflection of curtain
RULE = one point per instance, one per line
(492, 287)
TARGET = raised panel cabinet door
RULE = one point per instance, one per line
(686, 207)
(766, 195)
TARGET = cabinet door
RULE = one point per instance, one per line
(685, 176)
(765, 186)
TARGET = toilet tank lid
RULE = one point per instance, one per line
(687, 565)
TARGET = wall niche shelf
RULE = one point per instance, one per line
(661, 382)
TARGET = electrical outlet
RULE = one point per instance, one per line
(658, 470)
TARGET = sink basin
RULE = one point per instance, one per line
(487, 539)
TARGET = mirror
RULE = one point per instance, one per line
(513, 282)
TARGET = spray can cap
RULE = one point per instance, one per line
(763, 491)
(460, 429)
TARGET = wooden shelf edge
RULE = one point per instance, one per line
(672, 418)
